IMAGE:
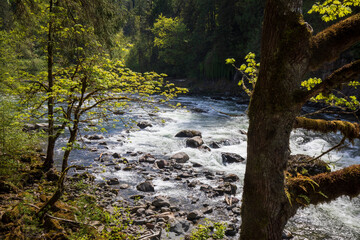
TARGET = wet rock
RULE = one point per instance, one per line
(194, 142)
(144, 124)
(149, 212)
(231, 230)
(305, 165)
(206, 188)
(116, 155)
(94, 137)
(236, 210)
(214, 145)
(146, 187)
(113, 181)
(147, 158)
(179, 226)
(185, 175)
(188, 133)
(204, 148)
(161, 163)
(103, 143)
(194, 215)
(196, 165)
(160, 202)
(118, 112)
(243, 132)
(231, 158)
(193, 184)
(286, 234)
(180, 157)
(208, 210)
(231, 178)
(137, 196)
(124, 186)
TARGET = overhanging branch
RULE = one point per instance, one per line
(331, 42)
(325, 187)
(347, 129)
(342, 75)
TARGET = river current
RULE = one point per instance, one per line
(339, 219)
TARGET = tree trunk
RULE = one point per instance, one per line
(49, 161)
(284, 60)
(69, 146)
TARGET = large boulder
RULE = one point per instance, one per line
(146, 186)
(306, 165)
(180, 157)
(194, 142)
(231, 158)
(188, 133)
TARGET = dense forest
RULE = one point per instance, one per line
(67, 67)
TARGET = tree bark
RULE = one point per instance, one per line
(284, 58)
(288, 52)
(49, 161)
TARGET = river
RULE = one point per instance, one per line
(339, 219)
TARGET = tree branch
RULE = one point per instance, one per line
(347, 129)
(344, 74)
(325, 187)
(331, 42)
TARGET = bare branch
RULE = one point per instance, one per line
(331, 42)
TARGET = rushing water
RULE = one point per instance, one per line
(339, 219)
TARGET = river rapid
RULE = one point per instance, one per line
(339, 219)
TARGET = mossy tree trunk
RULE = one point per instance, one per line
(288, 52)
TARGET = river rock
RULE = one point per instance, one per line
(188, 133)
(231, 230)
(161, 163)
(231, 158)
(305, 165)
(94, 137)
(147, 158)
(231, 178)
(204, 148)
(146, 187)
(194, 142)
(116, 155)
(124, 186)
(144, 124)
(214, 145)
(194, 215)
(113, 181)
(160, 202)
(180, 157)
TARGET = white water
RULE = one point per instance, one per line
(338, 220)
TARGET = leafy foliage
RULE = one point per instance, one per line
(209, 230)
(249, 72)
(334, 9)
